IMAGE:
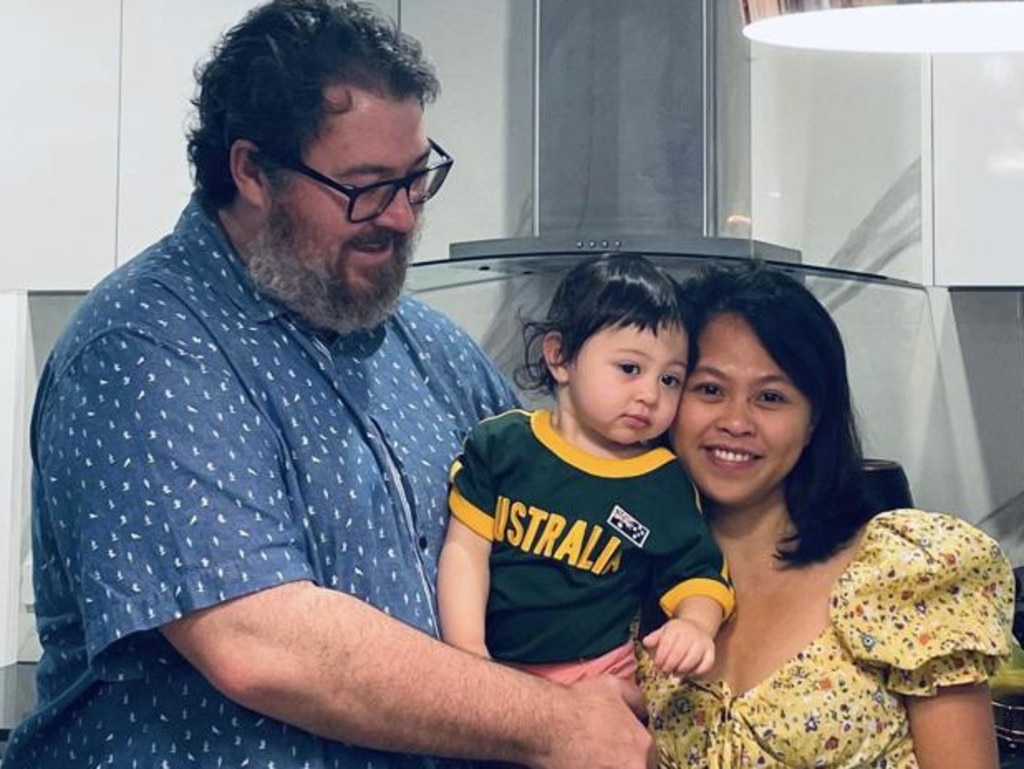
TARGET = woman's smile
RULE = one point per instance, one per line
(742, 424)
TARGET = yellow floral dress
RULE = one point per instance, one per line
(927, 602)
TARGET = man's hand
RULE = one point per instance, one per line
(602, 729)
(680, 647)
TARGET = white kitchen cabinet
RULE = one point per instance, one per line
(163, 40)
(13, 464)
(58, 188)
(836, 158)
(483, 53)
(978, 164)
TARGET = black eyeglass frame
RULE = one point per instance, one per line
(352, 191)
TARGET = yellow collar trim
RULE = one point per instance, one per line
(605, 467)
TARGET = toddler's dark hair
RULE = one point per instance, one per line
(613, 290)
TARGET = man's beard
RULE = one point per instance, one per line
(285, 265)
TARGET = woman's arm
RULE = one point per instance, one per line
(463, 582)
(954, 728)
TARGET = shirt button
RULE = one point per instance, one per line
(423, 543)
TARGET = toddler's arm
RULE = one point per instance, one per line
(463, 582)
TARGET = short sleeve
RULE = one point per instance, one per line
(153, 516)
(471, 496)
(694, 566)
(929, 597)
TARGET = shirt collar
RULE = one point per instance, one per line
(216, 262)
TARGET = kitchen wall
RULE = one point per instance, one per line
(842, 166)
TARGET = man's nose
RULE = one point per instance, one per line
(400, 215)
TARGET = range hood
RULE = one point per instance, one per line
(641, 133)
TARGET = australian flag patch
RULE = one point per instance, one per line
(628, 526)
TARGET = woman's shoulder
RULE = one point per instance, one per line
(916, 536)
(923, 525)
(924, 586)
(904, 554)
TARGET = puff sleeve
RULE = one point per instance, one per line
(930, 598)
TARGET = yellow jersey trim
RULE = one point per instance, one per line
(471, 515)
(604, 467)
(701, 586)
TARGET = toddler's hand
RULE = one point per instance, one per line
(681, 648)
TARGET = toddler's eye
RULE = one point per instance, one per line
(629, 368)
(671, 380)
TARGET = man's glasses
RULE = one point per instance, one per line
(369, 201)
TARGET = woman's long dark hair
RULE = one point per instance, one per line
(824, 491)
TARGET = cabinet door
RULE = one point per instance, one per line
(13, 464)
(484, 58)
(163, 41)
(978, 129)
(58, 187)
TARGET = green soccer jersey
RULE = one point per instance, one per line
(577, 540)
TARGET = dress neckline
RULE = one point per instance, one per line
(720, 687)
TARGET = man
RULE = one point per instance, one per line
(241, 445)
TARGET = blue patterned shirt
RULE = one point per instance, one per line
(192, 443)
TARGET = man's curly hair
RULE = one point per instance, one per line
(266, 78)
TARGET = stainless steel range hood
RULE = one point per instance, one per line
(642, 132)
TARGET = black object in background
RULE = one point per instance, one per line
(886, 485)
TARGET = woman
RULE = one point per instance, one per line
(857, 640)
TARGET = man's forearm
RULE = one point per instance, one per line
(332, 665)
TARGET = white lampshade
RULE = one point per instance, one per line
(898, 26)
